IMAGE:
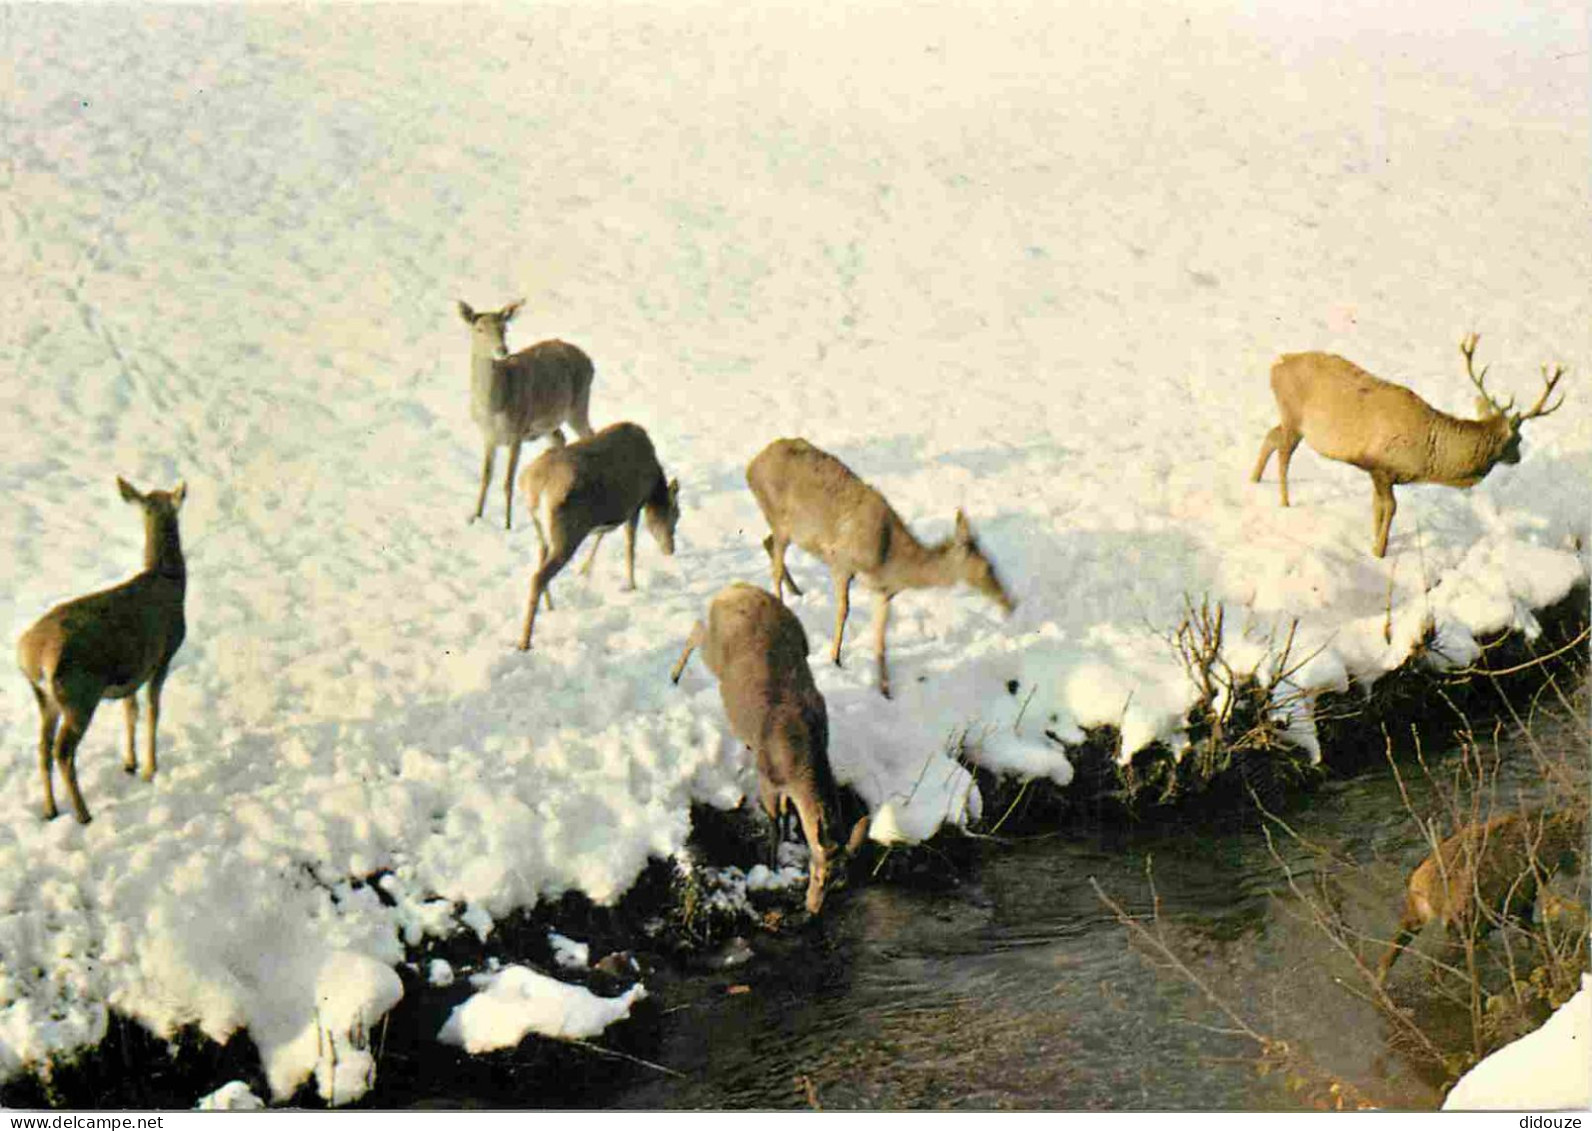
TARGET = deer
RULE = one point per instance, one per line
(1386, 430)
(521, 396)
(756, 649)
(106, 646)
(812, 499)
(1485, 872)
(607, 480)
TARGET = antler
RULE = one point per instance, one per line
(1468, 348)
(1548, 384)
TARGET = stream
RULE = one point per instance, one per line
(1015, 987)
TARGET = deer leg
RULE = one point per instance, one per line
(49, 718)
(1268, 445)
(548, 569)
(772, 805)
(1286, 441)
(776, 557)
(630, 551)
(67, 736)
(585, 570)
(842, 610)
(699, 633)
(152, 720)
(486, 478)
(541, 542)
(811, 814)
(881, 619)
(1409, 927)
(580, 411)
(508, 484)
(130, 713)
(1383, 506)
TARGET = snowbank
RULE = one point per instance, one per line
(1548, 1069)
(1027, 261)
(516, 1000)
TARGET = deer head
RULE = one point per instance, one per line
(974, 568)
(1508, 421)
(488, 326)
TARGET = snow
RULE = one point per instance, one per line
(1032, 261)
(516, 1000)
(234, 1095)
(1547, 1069)
(567, 953)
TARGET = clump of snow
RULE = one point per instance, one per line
(439, 972)
(516, 1000)
(1547, 1069)
(760, 877)
(1024, 261)
(567, 953)
(234, 1095)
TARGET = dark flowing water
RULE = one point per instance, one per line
(1017, 988)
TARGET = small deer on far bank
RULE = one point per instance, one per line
(106, 646)
(812, 499)
(1485, 872)
(1386, 430)
(757, 650)
(518, 397)
(596, 484)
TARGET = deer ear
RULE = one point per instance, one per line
(466, 313)
(964, 532)
(512, 309)
(1486, 410)
(178, 494)
(129, 492)
(674, 490)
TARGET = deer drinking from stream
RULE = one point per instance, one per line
(757, 650)
(607, 480)
(518, 397)
(1386, 430)
(1486, 872)
(812, 499)
(106, 646)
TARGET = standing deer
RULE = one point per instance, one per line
(756, 648)
(1388, 431)
(595, 484)
(518, 397)
(1485, 872)
(812, 499)
(106, 646)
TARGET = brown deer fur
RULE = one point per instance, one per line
(106, 646)
(1484, 872)
(596, 484)
(518, 397)
(812, 499)
(758, 651)
(1384, 429)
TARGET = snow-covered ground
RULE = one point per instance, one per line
(1550, 1068)
(1025, 259)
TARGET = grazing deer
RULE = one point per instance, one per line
(1388, 431)
(518, 397)
(595, 484)
(756, 648)
(812, 499)
(106, 646)
(1485, 872)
